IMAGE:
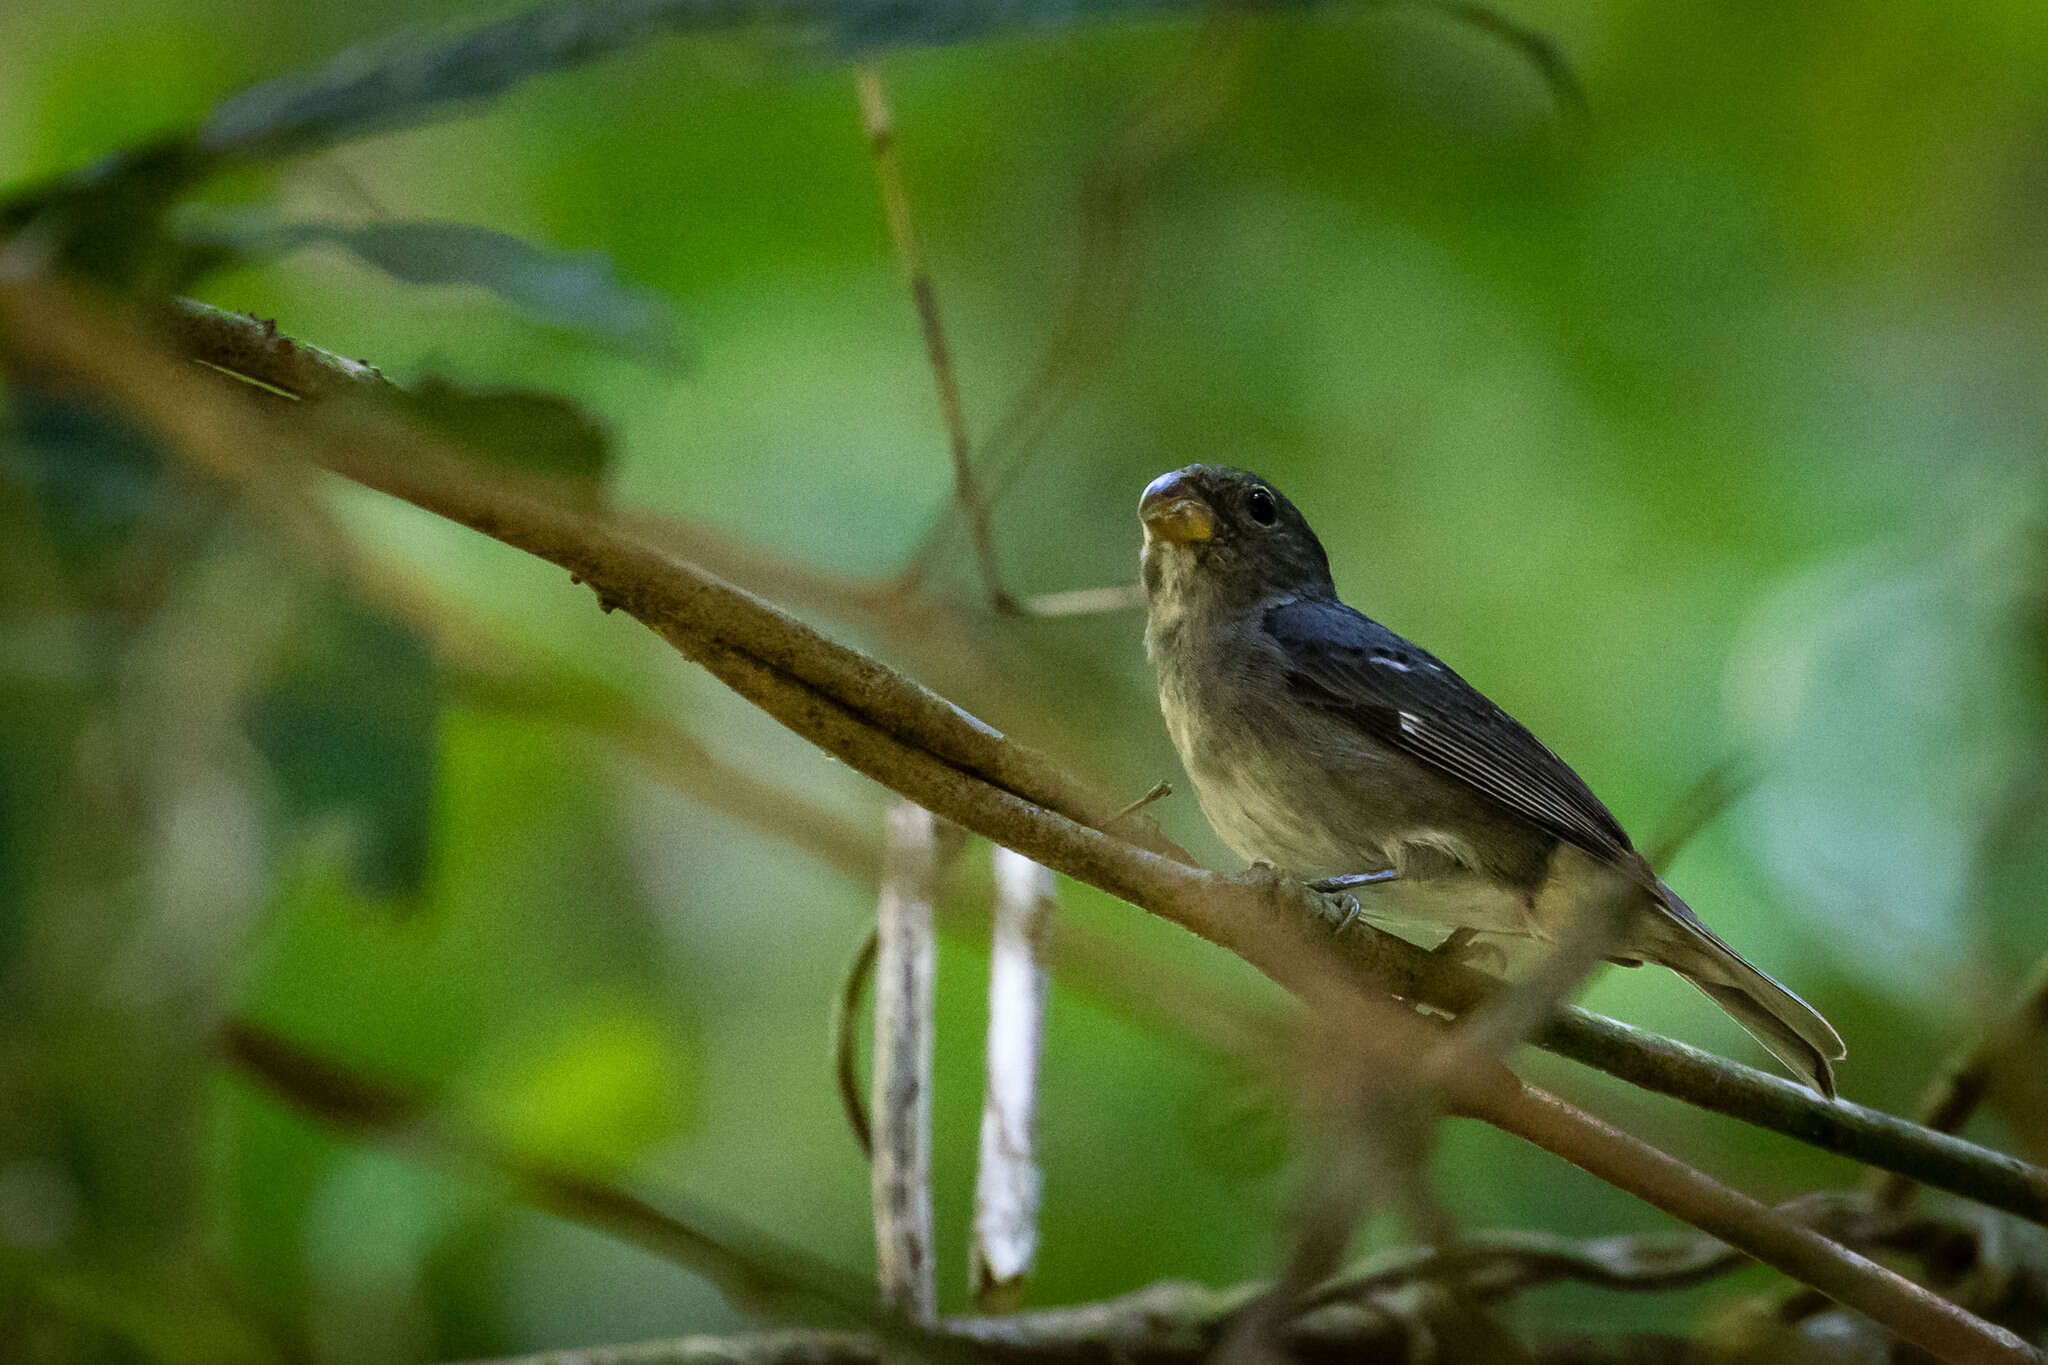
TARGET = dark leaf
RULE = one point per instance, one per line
(567, 288)
(350, 727)
(93, 479)
(542, 433)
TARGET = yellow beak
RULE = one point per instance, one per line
(1172, 511)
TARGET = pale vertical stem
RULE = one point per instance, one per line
(1007, 1179)
(906, 968)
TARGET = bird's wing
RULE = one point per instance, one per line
(1406, 698)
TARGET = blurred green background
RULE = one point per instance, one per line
(1706, 425)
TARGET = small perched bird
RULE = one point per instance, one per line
(1324, 744)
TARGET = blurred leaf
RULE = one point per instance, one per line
(351, 727)
(540, 432)
(576, 289)
(109, 222)
(594, 1096)
(93, 478)
(162, 1310)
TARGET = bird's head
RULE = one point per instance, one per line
(1229, 536)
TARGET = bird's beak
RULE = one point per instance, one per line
(1172, 511)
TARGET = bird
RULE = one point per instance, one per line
(1327, 747)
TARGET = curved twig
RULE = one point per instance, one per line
(845, 1040)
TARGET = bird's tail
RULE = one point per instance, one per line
(1790, 1029)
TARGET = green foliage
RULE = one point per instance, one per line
(349, 727)
(567, 289)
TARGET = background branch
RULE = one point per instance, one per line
(1007, 1182)
(906, 976)
(924, 296)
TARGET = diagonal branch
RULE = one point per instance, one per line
(1664, 1065)
(925, 749)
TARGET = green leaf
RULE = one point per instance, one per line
(351, 729)
(577, 289)
(595, 1095)
(542, 433)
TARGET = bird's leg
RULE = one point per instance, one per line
(1341, 887)
(1355, 879)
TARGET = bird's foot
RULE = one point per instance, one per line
(1341, 908)
(1339, 904)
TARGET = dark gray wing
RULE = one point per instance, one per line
(1406, 698)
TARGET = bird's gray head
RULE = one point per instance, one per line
(1229, 537)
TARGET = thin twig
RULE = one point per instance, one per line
(1364, 1313)
(1702, 803)
(1358, 1316)
(906, 973)
(753, 1271)
(1007, 1181)
(1085, 601)
(881, 131)
(1933, 1323)
(1104, 278)
(1969, 1076)
(844, 1032)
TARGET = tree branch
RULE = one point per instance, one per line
(933, 753)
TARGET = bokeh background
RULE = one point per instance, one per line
(1705, 425)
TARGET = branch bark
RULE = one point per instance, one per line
(906, 979)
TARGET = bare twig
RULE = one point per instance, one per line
(1006, 1179)
(1934, 1324)
(753, 1271)
(1364, 1313)
(906, 973)
(1971, 1074)
(1702, 803)
(881, 131)
(1085, 601)
(1158, 791)
(892, 730)
(1512, 1015)
(845, 1040)
(1105, 272)
(1360, 1316)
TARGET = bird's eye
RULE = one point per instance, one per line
(1259, 502)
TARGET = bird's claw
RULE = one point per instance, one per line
(1342, 908)
(1338, 902)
